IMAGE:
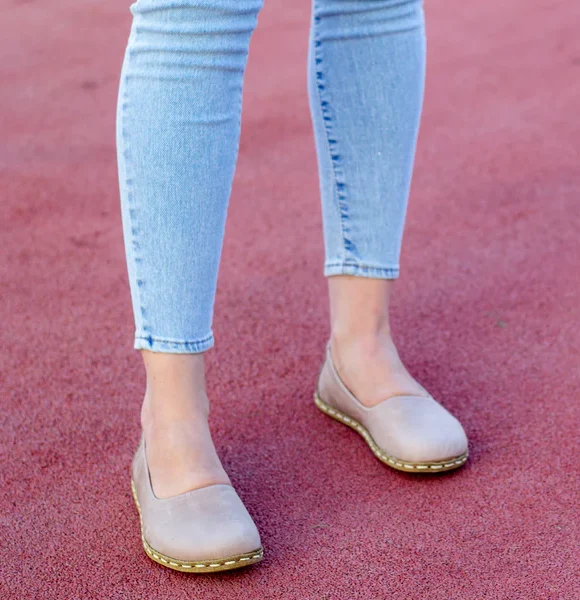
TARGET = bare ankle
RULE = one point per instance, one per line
(175, 421)
(365, 341)
(359, 310)
(175, 388)
(163, 409)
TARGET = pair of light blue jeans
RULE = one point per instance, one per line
(177, 132)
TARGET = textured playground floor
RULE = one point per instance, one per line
(486, 315)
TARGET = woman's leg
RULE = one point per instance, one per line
(365, 81)
(178, 125)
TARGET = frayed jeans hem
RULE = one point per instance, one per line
(155, 344)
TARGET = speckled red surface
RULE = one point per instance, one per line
(486, 316)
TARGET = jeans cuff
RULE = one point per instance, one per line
(155, 344)
(361, 270)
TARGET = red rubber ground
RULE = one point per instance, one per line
(486, 315)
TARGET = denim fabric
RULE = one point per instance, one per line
(178, 128)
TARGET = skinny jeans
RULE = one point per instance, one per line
(177, 135)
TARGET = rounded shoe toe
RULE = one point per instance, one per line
(419, 430)
(428, 445)
(205, 524)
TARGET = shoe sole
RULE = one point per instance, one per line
(198, 566)
(391, 461)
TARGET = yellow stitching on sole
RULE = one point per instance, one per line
(385, 458)
(207, 567)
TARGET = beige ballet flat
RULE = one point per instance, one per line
(408, 433)
(200, 531)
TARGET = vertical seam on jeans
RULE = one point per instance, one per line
(133, 228)
(331, 143)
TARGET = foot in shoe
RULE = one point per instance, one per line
(370, 367)
(405, 431)
(180, 451)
